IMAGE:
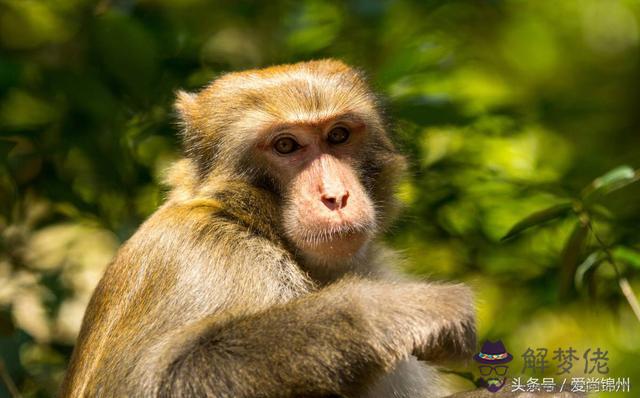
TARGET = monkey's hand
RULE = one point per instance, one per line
(431, 321)
(451, 330)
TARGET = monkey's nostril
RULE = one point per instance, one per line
(335, 202)
(344, 200)
(329, 201)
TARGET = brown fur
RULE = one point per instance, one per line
(209, 298)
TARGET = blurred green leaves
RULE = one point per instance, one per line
(627, 255)
(507, 109)
(573, 271)
(538, 218)
(617, 178)
(313, 26)
(29, 24)
(611, 181)
(126, 51)
(20, 109)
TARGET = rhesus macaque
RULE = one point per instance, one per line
(261, 275)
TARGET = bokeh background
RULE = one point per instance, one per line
(505, 108)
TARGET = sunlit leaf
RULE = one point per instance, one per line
(618, 174)
(21, 109)
(627, 255)
(586, 269)
(538, 218)
(611, 181)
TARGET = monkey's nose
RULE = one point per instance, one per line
(335, 202)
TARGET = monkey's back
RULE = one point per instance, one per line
(187, 265)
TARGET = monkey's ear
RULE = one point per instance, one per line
(187, 107)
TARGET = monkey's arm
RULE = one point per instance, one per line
(194, 305)
(328, 342)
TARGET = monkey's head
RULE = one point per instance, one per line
(310, 132)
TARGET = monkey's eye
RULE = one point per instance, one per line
(338, 135)
(285, 145)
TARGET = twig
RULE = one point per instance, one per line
(631, 297)
(626, 289)
(6, 378)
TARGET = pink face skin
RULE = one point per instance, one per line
(328, 214)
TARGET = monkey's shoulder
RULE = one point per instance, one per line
(219, 217)
(182, 245)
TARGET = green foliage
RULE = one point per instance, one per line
(537, 218)
(615, 179)
(506, 108)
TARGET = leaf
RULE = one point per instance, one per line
(538, 218)
(127, 51)
(627, 255)
(5, 147)
(314, 27)
(571, 255)
(587, 268)
(613, 180)
(618, 174)
(601, 211)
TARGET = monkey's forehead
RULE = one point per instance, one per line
(327, 67)
(305, 81)
(307, 90)
(253, 102)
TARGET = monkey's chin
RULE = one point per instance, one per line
(337, 249)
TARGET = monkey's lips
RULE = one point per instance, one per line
(337, 242)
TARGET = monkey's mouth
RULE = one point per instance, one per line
(322, 236)
(339, 241)
(332, 238)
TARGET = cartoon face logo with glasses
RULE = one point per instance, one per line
(491, 363)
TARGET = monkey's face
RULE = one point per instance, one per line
(315, 133)
(327, 212)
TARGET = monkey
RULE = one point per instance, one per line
(262, 274)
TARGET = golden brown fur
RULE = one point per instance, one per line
(211, 298)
